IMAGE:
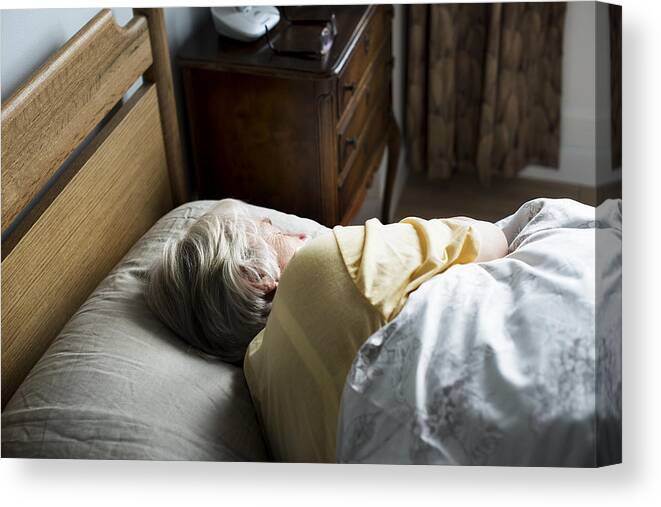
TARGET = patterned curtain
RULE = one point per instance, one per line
(615, 17)
(483, 87)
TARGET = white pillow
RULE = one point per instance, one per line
(118, 384)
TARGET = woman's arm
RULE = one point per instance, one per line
(493, 244)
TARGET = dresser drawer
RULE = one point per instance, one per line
(371, 95)
(296, 143)
(373, 137)
(364, 52)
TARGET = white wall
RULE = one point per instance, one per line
(29, 36)
(585, 103)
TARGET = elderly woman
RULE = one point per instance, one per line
(296, 310)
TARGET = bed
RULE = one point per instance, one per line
(89, 372)
(93, 183)
(116, 383)
(85, 174)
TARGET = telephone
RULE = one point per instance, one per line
(245, 23)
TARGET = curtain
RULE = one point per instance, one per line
(615, 19)
(484, 87)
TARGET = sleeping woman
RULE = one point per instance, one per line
(296, 310)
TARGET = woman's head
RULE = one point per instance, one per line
(214, 285)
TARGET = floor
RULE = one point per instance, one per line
(462, 195)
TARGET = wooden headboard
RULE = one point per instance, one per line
(64, 226)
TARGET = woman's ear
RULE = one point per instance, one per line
(264, 285)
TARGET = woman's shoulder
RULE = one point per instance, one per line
(316, 259)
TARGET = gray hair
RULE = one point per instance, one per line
(204, 285)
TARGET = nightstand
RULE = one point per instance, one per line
(300, 135)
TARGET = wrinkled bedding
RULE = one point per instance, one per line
(117, 384)
(512, 362)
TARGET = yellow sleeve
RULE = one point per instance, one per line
(388, 262)
(296, 367)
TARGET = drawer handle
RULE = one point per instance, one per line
(351, 87)
(351, 142)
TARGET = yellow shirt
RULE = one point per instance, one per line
(337, 291)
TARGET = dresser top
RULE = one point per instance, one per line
(206, 49)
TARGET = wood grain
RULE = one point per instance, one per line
(354, 184)
(368, 46)
(352, 201)
(284, 147)
(371, 95)
(206, 50)
(47, 118)
(161, 73)
(118, 188)
(325, 111)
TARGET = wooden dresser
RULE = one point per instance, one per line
(300, 135)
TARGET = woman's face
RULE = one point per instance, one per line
(284, 244)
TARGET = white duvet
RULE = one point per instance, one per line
(511, 362)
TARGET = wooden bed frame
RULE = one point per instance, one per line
(64, 229)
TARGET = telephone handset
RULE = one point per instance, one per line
(245, 23)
